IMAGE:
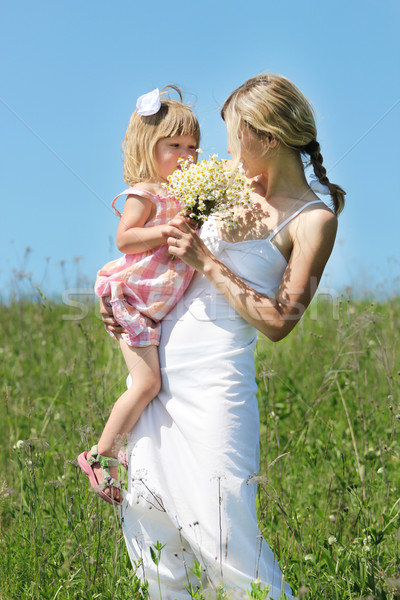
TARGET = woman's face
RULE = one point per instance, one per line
(253, 151)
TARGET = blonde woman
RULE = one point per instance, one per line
(195, 449)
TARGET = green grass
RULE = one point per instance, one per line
(330, 469)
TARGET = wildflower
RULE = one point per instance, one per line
(20, 444)
(55, 484)
(332, 540)
(208, 187)
(4, 491)
(309, 557)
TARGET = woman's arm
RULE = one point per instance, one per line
(132, 236)
(313, 237)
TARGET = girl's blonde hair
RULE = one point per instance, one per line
(173, 118)
(272, 106)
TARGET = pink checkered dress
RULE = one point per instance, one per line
(144, 287)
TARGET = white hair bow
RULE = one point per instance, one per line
(149, 104)
(318, 187)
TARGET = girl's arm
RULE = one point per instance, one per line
(132, 236)
(313, 238)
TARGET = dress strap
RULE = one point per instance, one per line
(131, 192)
(286, 221)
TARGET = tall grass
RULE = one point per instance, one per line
(329, 493)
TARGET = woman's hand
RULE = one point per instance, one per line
(184, 243)
(108, 317)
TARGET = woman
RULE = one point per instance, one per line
(195, 449)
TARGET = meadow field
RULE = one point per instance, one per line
(329, 482)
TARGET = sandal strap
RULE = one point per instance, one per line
(109, 482)
(105, 462)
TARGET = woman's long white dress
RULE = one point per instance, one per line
(195, 449)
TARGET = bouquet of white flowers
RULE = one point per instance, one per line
(208, 187)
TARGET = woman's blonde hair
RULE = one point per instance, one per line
(173, 118)
(272, 106)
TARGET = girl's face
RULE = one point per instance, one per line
(169, 150)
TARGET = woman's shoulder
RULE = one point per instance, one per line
(317, 211)
(316, 222)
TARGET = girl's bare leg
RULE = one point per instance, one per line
(144, 367)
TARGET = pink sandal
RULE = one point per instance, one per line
(86, 460)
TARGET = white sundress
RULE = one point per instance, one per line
(195, 449)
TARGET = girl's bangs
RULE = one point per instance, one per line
(184, 124)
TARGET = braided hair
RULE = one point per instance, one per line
(337, 193)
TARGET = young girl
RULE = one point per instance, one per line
(143, 285)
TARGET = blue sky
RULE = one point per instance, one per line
(71, 73)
